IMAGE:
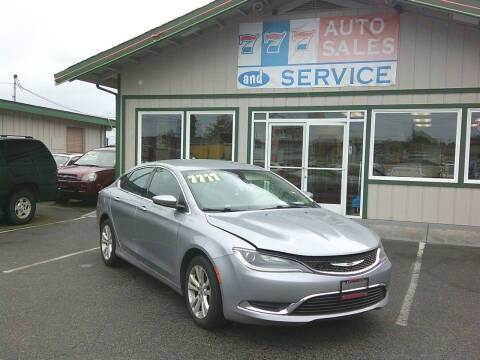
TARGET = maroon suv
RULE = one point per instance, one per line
(90, 174)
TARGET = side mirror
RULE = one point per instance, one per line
(169, 201)
(165, 200)
(309, 194)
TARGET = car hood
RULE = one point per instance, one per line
(80, 170)
(308, 232)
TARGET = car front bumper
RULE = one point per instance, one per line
(241, 285)
(80, 190)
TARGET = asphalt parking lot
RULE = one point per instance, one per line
(75, 307)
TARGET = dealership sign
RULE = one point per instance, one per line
(324, 52)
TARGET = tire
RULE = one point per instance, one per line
(21, 207)
(62, 199)
(207, 315)
(108, 243)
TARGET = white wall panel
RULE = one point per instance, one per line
(433, 53)
(51, 131)
(437, 205)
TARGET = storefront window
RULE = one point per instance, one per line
(160, 136)
(259, 144)
(211, 136)
(355, 164)
(415, 145)
(474, 147)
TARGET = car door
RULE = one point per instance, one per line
(4, 180)
(124, 203)
(157, 226)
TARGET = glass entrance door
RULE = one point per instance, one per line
(312, 158)
(325, 166)
(286, 155)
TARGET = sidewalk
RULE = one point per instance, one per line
(430, 233)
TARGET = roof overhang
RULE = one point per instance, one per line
(107, 59)
(464, 7)
(60, 114)
(103, 68)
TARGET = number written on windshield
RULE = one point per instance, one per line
(211, 177)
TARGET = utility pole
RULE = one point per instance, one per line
(15, 77)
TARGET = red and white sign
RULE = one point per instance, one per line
(358, 38)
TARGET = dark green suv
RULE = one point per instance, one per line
(28, 174)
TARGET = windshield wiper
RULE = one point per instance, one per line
(287, 207)
(92, 165)
(225, 209)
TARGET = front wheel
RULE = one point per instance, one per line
(21, 207)
(108, 243)
(202, 294)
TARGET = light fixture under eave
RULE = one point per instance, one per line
(423, 125)
(421, 113)
(426, 120)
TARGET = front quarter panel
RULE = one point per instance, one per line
(197, 233)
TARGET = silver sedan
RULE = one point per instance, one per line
(241, 243)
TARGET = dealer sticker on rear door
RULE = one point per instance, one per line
(353, 284)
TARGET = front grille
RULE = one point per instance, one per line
(67, 177)
(333, 304)
(325, 263)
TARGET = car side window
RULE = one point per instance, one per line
(136, 182)
(164, 183)
(20, 152)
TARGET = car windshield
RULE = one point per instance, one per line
(60, 160)
(97, 158)
(236, 190)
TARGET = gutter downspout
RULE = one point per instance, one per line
(117, 123)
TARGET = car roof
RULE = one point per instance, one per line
(197, 164)
(107, 148)
(67, 154)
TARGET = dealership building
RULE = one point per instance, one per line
(373, 106)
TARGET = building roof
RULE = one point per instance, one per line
(150, 38)
(43, 111)
(103, 67)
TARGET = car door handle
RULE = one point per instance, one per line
(143, 208)
(117, 198)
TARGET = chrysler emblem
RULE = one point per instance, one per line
(347, 264)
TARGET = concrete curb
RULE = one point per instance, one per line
(430, 233)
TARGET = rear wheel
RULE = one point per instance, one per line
(21, 207)
(108, 243)
(202, 294)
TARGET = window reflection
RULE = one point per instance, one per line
(161, 137)
(211, 136)
(354, 179)
(259, 144)
(474, 159)
(415, 145)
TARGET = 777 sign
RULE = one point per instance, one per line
(247, 42)
(274, 41)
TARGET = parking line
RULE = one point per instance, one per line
(50, 260)
(86, 216)
(402, 318)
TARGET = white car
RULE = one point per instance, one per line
(66, 159)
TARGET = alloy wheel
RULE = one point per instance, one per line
(23, 208)
(199, 291)
(107, 244)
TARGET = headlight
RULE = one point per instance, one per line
(263, 262)
(90, 177)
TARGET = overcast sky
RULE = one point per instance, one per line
(40, 38)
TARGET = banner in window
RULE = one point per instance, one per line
(323, 52)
